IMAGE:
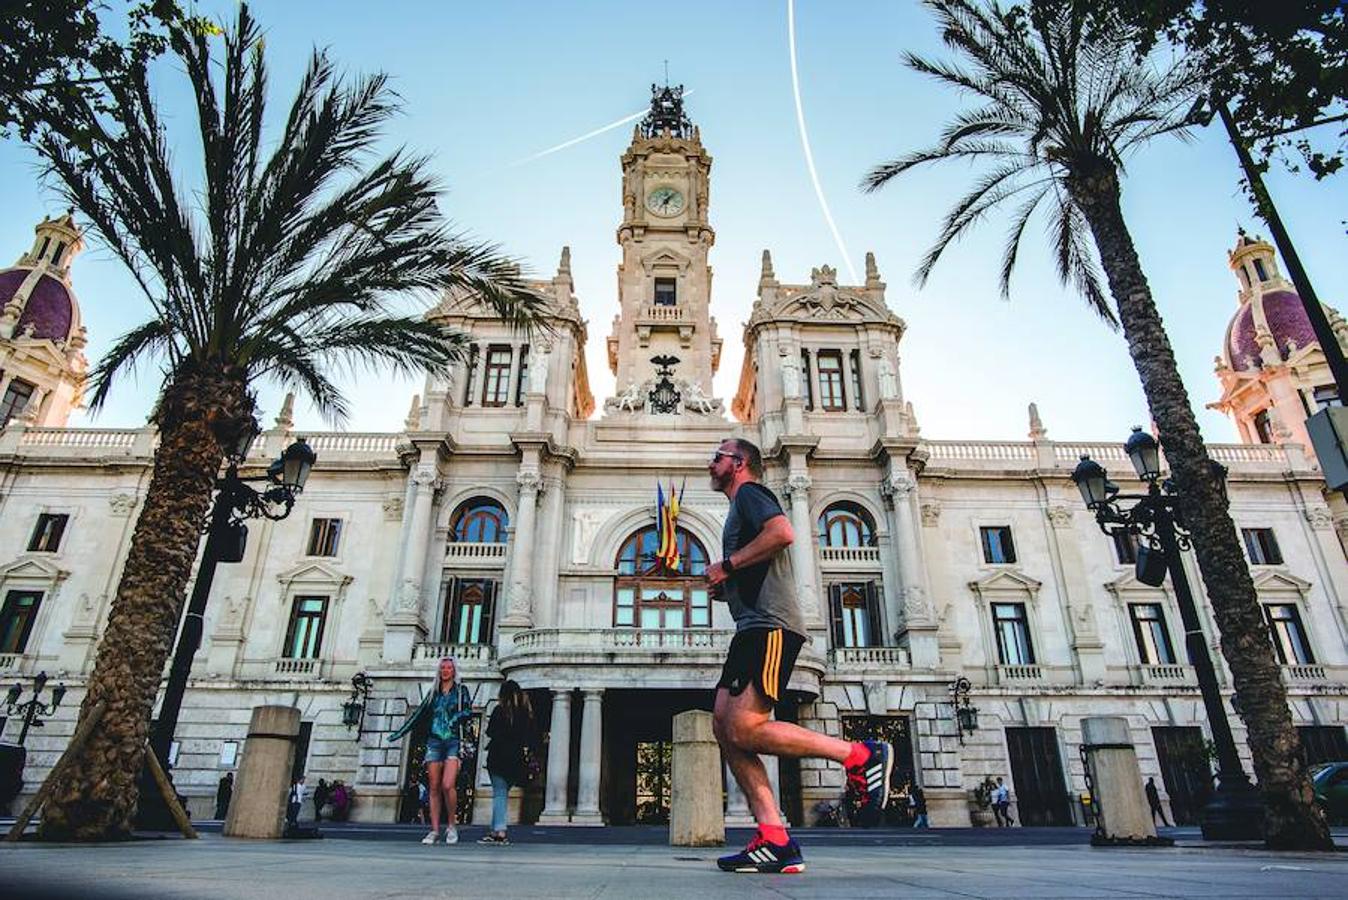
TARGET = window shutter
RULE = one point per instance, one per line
(836, 614)
(488, 612)
(878, 637)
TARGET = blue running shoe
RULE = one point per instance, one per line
(762, 857)
(870, 780)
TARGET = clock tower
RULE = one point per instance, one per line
(664, 349)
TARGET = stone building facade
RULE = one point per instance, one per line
(510, 527)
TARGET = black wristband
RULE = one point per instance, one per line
(727, 566)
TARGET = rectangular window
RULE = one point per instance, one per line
(1259, 268)
(47, 534)
(470, 376)
(1125, 547)
(854, 609)
(1289, 637)
(856, 380)
(522, 386)
(1261, 546)
(174, 748)
(16, 619)
(304, 638)
(699, 609)
(624, 611)
(997, 545)
(1326, 395)
(229, 754)
(469, 611)
(666, 292)
(324, 536)
(496, 379)
(831, 395)
(1013, 634)
(15, 399)
(1153, 640)
(1261, 428)
(809, 379)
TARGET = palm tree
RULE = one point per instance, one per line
(1059, 106)
(274, 266)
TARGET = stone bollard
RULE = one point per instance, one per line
(262, 787)
(695, 815)
(1116, 780)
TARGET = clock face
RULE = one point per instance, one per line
(665, 201)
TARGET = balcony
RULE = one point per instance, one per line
(602, 639)
(835, 558)
(298, 668)
(1020, 674)
(664, 318)
(9, 662)
(853, 658)
(1302, 674)
(464, 653)
(1166, 675)
(491, 555)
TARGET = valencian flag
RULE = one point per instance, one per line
(666, 523)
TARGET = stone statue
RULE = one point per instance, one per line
(889, 380)
(540, 355)
(631, 399)
(696, 401)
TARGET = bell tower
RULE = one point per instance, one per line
(664, 349)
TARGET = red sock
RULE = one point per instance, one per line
(857, 756)
(773, 834)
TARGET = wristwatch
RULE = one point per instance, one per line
(727, 566)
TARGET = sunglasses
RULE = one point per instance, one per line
(719, 453)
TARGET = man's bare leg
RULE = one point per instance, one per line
(745, 728)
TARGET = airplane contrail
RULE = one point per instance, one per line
(589, 134)
(805, 142)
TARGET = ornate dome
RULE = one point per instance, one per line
(1287, 324)
(49, 310)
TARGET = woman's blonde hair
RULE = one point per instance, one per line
(435, 679)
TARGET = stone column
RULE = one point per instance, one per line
(918, 616)
(404, 624)
(519, 596)
(591, 755)
(736, 804)
(514, 373)
(259, 805)
(811, 358)
(695, 817)
(559, 760)
(802, 548)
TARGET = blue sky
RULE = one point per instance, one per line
(486, 85)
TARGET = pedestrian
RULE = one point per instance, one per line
(224, 792)
(917, 802)
(1001, 804)
(510, 731)
(322, 793)
(448, 706)
(423, 801)
(754, 577)
(341, 801)
(1154, 801)
(296, 801)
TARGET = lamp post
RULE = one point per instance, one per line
(34, 710)
(1235, 811)
(353, 710)
(966, 714)
(226, 538)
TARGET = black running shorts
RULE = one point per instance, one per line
(764, 656)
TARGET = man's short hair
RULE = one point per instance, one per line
(753, 458)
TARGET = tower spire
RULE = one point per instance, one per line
(666, 114)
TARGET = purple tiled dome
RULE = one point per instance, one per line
(1287, 321)
(49, 309)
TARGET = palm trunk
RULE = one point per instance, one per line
(95, 800)
(1292, 819)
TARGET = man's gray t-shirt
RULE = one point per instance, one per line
(762, 595)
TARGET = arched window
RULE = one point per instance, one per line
(649, 594)
(480, 520)
(846, 524)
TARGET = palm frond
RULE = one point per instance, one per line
(146, 340)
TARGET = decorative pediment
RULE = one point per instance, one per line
(1005, 581)
(1280, 583)
(313, 573)
(33, 568)
(665, 257)
(1127, 585)
(823, 300)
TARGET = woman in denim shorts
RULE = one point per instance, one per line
(449, 707)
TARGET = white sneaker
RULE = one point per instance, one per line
(430, 838)
(451, 835)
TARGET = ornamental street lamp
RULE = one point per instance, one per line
(226, 539)
(353, 710)
(966, 714)
(1235, 811)
(34, 710)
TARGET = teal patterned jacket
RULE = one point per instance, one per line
(463, 711)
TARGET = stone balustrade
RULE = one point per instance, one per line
(432, 651)
(869, 658)
(475, 554)
(1020, 673)
(1167, 674)
(9, 662)
(81, 438)
(663, 314)
(847, 557)
(1304, 673)
(382, 443)
(303, 667)
(623, 639)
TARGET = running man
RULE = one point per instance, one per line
(755, 578)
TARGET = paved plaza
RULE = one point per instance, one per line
(1048, 863)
